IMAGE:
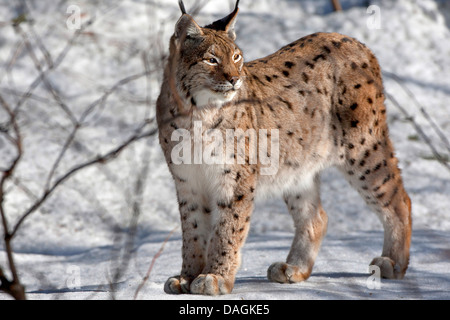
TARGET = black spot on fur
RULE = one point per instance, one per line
(183, 203)
(193, 207)
(257, 79)
(336, 44)
(357, 86)
(377, 167)
(287, 103)
(354, 106)
(223, 205)
(289, 64)
(309, 64)
(305, 77)
(219, 121)
(354, 124)
(318, 57)
(388, 177)
(286, 73)
(268, 78)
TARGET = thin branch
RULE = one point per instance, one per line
(43, 75)
(421, 133)
(433, 124)
(14, 287)
(99, 160)
(101, 101)
(55, 64)
(150, 268)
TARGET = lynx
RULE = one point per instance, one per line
(323, 96)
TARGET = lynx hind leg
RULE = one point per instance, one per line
(374, 172)
(310, 222)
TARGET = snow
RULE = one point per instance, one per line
(71, 247)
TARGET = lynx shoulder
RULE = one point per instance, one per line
(231, 129)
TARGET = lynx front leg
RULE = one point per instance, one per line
(310, 227)
(196, 228)
(228, 236)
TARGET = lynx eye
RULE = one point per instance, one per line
(237, 57)
(211, 61)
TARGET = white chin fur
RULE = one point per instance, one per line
(208, 98)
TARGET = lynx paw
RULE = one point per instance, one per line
(209, 284)
(176, 285)
(388, 268)
(285, 273)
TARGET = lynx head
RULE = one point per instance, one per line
(210, 63)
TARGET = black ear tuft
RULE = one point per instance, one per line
(182, 7)
(227, 23)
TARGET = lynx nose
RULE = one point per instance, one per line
(233, 80)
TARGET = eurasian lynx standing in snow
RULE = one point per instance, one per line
(321, 97)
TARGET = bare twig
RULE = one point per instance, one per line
(433, 124)
(150, 268)
(78, 123)
(124, 258)
(43, 75)
(30, 43)
(99, 160)
(55, 64)
(421, 133)
(14, 287)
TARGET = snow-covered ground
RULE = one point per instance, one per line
(73, 245)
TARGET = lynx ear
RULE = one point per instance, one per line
(227, 24)
(186, 27)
